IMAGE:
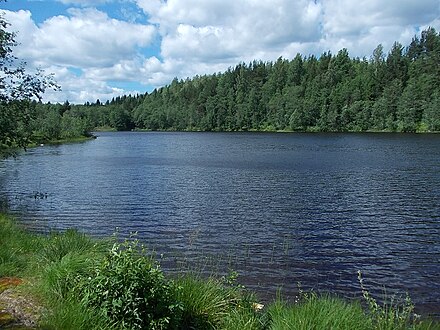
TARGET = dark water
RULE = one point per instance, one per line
(278, 208)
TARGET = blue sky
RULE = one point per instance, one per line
(105, 48)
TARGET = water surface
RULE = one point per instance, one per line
(278, 208)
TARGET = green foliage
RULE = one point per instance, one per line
(131, 290)
(17, 88)
(431, 115)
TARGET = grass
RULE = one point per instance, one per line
(17, 248)
(207, 302)
(84, 283)
(318, 312)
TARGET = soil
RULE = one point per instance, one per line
(17, 309)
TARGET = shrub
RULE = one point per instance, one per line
(131, 290)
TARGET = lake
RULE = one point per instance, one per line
(280, 209)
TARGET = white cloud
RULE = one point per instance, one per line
(361, 25)
(346, 17)
(209, 36)
(236, 25)
(88, 40)
(188, 37)
(80, 89)
(213, 35)
(217, 34)
(23, 25)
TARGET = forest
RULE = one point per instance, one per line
(398, 91)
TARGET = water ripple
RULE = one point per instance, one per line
(278, 208)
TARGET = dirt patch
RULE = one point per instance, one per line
(9, 282)
(17, 310)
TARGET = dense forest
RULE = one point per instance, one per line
(398, 91)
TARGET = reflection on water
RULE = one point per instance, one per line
(278, 208)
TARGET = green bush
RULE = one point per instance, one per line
(131, 290)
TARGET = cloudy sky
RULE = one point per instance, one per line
(99, 49)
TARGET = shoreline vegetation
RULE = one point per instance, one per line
(7, 151)
(267, 131)
(77, 139)
(12, 151)
(72, 281)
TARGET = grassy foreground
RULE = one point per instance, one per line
(83, 283)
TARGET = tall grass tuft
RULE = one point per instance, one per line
(17, 248)
(206, 302)
(244, 318)
(63, 259)
(59, 245)
(317, 312)
(70, 314)
(59, 278)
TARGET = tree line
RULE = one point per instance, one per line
(398, 91)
